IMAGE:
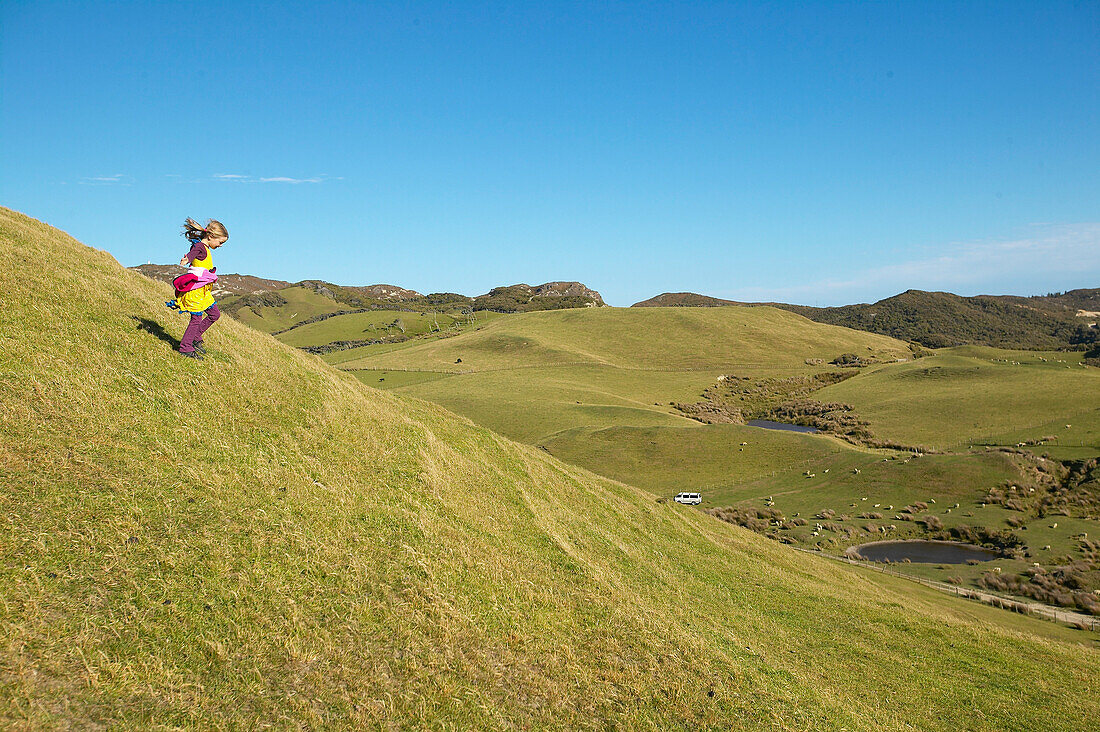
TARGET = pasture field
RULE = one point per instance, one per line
(979, 396)
(530, 404)
(332, 555)
(608, 407)
(302, 303)
(664, 339)
(367, 325)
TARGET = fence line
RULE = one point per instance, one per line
(1039, 610)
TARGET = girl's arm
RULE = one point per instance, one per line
(198, 251)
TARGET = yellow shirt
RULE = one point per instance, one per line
(196, 301)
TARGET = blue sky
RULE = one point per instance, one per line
(820, 153)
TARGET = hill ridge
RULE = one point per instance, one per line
(941, 319)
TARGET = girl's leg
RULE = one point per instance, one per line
(192, 334)
(212, 314)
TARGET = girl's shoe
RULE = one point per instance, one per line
(199, 347)
(192, 354)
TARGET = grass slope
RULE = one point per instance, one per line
(302, 303)
(654, 338)
(984, 395)
(257, 540)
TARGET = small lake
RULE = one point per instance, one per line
(922, 551)
(768, 425)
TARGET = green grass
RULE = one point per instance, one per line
(395, 379)
(372, 324)
(196, 545)
(711, 458)
(606, 407)
(531, 404)
(973, 395)
(302, 303)
(642, 338)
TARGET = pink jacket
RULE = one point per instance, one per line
(193, 279)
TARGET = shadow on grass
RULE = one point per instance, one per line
(154, 328)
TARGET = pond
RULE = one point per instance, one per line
(922, 551)
(768, 425)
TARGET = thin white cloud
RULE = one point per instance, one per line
(238, 178)
(290, 180)
(1048, 251)
(106, 180)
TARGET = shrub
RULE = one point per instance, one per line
(931, 523)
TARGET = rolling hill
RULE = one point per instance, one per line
(940, 319)
(258, 540)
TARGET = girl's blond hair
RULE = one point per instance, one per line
(193, 232)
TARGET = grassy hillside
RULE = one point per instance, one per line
(609, 403)
(257, 540)
(980, 395)
(653, 338)
(289, 306)
(531, 375)
(941, 319)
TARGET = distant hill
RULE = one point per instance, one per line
(273, 305)
(549, 296)
(684, 300)
(369, 292)
(940, 319)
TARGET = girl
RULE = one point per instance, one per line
(193, 290)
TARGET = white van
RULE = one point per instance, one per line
(691, 499)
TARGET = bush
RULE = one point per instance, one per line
(931, 523)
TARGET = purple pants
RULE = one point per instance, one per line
(197, 327)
